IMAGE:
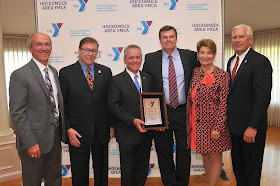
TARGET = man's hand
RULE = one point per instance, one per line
(137, 123)
(112, 132)
(72, 135)
(249, 135)
(34, 151)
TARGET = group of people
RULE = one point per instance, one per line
(209, 110)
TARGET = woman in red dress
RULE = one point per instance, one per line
(207, 130)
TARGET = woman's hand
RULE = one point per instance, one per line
(215, 135)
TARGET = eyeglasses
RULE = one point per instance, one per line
(87, 51)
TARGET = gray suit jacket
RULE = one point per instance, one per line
(31, 109)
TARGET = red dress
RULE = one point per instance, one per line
(206, 111)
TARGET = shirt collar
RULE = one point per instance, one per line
(84, 67)
(40, 65)
(131, 74)
(174, 54)
(242, 56)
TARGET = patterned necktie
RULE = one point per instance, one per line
(89, 79)
(234, 69)
(173, 92)
(49, 86)
(136, 83)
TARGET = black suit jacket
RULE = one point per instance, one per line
(249, 94)
(153, 66)
(123, 103)
(85, 109)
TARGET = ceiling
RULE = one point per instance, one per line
(260, 14)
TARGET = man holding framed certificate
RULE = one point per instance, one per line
(171, 69)
(123, 103)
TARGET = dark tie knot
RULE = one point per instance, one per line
(46, 69)
(170, 57)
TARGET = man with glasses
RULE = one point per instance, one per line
(84, 86)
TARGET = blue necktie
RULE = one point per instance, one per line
(136, 83)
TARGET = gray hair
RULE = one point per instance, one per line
(249, 30)
(131, 46)
(29, 40)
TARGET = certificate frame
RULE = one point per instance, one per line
(162, 109)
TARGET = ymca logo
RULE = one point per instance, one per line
(65, 169)
(151, 166)
(146, 25)
(117, 51)
(56, 27)
(83, 5)
(173, 5)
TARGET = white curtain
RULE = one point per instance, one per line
(16, 54)
(268, 44)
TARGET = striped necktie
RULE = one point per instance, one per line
(137, 83)
(89, 79)
(49, 86)
(173, 92)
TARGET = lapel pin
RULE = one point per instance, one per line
(99, 71)
(143, 78)
(246, 61)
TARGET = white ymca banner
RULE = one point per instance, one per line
(118, 23)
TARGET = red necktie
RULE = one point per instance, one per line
(234, 69)
(89, 79)
(173, 92)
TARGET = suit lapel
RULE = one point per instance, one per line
(97, 76)
(145, 87)
(59, 94)
(185, 63)
(81, 76)
(240, 69)
(38, 76)
(158, 67)
(129, 81)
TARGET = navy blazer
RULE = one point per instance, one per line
(85, 109)
(123, 103)
(153, 66)
(249, 94)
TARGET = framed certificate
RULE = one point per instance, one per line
(153, 110)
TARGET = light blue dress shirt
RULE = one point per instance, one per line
(84, 68)
(179, 76)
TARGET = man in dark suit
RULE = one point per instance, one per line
(123, 103)
(160, 65)
(84, 86)
(248, 100)
(36, 108)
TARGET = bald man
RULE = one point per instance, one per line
(36, 107)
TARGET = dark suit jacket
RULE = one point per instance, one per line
(249, 94)
(31, 108)
(123, 103)
(153, 66)
(85, 109)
